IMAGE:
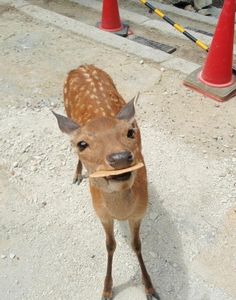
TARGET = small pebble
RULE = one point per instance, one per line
(44, 203)
(175, 265)
(162, 69)
(15, 164)
(12, 255)
(3, 256)
(141, 62)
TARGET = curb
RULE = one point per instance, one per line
(106, 38)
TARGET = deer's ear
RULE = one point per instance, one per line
(66, 124)
(128, 111)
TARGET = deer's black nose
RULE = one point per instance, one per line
(120, 160)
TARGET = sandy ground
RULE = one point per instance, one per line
(51, 243)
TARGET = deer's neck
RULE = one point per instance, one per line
(120, 204)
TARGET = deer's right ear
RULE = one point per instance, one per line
(66, 124)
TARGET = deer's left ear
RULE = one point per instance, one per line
(128, 111)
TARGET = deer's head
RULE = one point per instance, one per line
(106, 143)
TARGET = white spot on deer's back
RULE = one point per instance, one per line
(73, 81)
(65, 90)
(86, 75)
(93, 96)
(74, 87)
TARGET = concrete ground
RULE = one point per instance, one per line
(51, 243)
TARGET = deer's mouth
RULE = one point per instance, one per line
(120, 177)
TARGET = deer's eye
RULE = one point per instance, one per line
(82, 145)
(131, 134)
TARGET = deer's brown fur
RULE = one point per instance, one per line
(99, 116)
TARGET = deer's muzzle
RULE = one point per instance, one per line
(120, 160)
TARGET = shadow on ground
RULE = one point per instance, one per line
(162, 252)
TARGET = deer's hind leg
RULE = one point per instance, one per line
(136, 245)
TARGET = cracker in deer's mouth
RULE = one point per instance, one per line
(120, 177)
(115, 174)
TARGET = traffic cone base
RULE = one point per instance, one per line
(216, 78)
(123, 30)
(200, 77)
(215, 92)
(110, 29)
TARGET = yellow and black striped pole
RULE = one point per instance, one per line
(175, 25)
(179, 28)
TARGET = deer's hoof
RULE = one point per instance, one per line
(77, 179)
(107, 296)
(153, 296)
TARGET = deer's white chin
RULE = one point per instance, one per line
(112, 184)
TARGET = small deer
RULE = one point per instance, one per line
(104, 133)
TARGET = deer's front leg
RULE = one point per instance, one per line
(136, 245)
(111, 246)
(78, 173)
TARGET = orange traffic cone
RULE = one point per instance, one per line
(111, 19)
(216, 78)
